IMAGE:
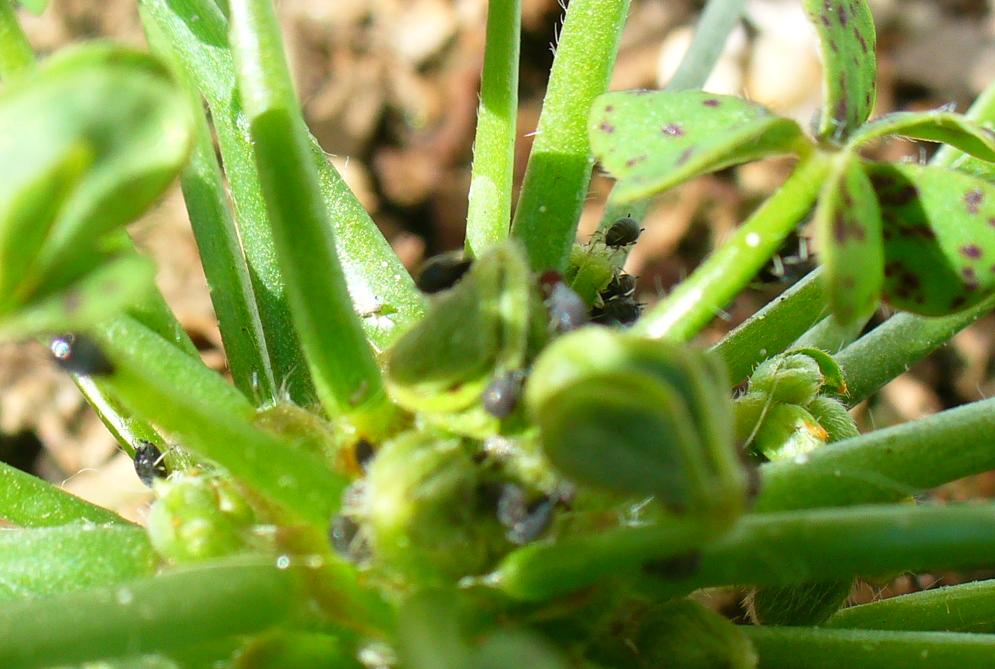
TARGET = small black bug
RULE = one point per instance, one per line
(525, 522)
(622, 232)
(442, 272)
(621, 285)
(80, 355)
(617, 311)
(149, 463)
(502, 394)
(363, 453)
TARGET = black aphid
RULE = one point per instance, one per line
(80, 355)
(617, 311)
(149, 464)
(442, 272)
(622, 232)
(525, 521)
(621, 285)
(502, 394)
(363, 453)
(567, 311)
(342, 534)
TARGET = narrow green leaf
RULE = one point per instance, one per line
(848, 224)
(16, 56)
(847, 40)
(51, 560)
(488, 219)
(814, 648)
(934, 126)
(28, 501)
(559, 167)
(147, 615)
(982, 112)
(939, 237)
(653, 140)
(99, 295)
(345, 373)
(967, 607)
(213, 420)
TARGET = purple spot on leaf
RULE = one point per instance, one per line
(683, 158)
(972, 200)
(606, 127)
(971, 251)
(672, 130)
(711, 102)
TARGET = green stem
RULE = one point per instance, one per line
(696, 301)
(981, 111)
(830, 336)
(489, 215)
(885, 465)
(717, 21)
(16, 55)
(220, 249)
(28, 501)
(774, 328)
(559, 168)
(127, 429)
(214, 420)
(52, 560)
(787, 548)
(346, 375)
(542, 571)
(895, 345)
(968, 607)
(814, 648)
(157, 614)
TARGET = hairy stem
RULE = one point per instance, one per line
(489, 215)
(696, 301)
(559, 168)
(968, 607)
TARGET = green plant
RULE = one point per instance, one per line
(476, 479)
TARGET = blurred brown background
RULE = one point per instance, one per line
(390, 89)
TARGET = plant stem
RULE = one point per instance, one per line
(345, 373)
(814, 648)
(559, 168)
(968, 607)
(76, 556)
(16, 55)
(717, 20)
(694, 303)
(214, 420)
(127, 429)
(167, 612)
(895, 345)
(28, 501)
(489, 214)
(220, 249)
(774, 328)
(885, 465)
(542, 571)
(981, 111)
(793, 547)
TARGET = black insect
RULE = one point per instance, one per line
(622, 311)
(342, 534)
(567, 311)
(623, 232)
(502, 394)
(80, 355)
(149, 464)
(621, 285)
(363, 453)
(442, 272)
(526, 521)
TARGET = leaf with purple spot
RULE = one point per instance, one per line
(848, 221)
(932, 126)
(653, 140)
(939, 237)
(847, 41)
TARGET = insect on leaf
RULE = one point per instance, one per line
(651, 141)
(939, 237)
(847, 40)
(848, 221)
(932, 126)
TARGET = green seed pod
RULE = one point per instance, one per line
(638, 416)
(197, 518)
(834, 418)
(792, 378)
(683, 634)
(788, 431)
(490, 323)
(421, 512)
